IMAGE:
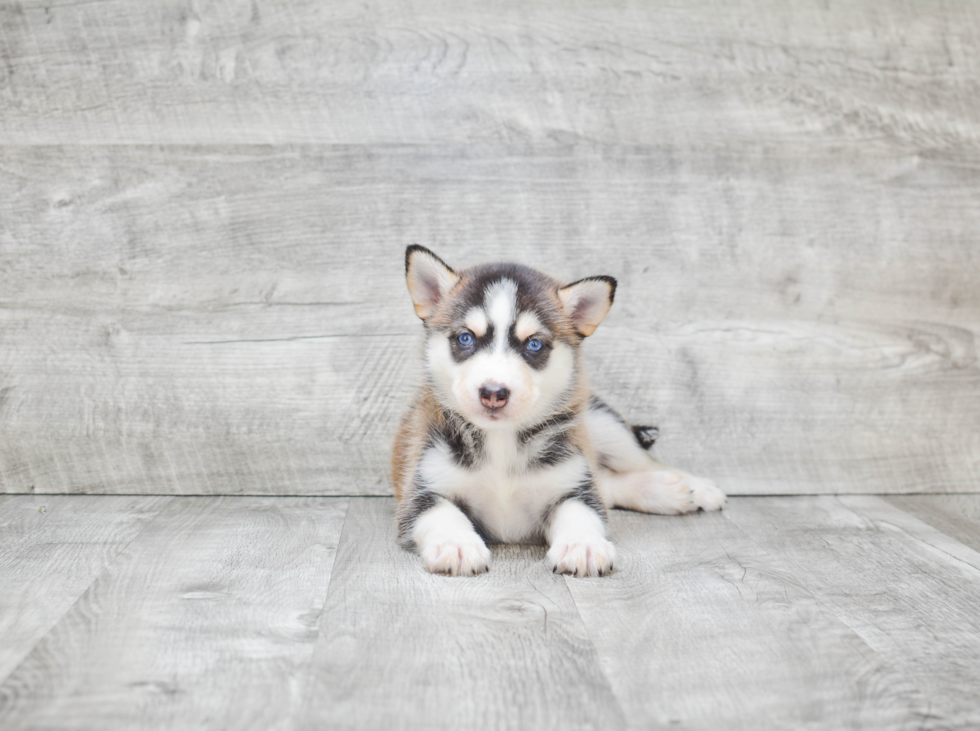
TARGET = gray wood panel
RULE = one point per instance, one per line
(804, 230)
(233, 320)
(401, 648)
(957, 516)
(696, 73)
(51, 549)
(701, 628)
(207, 620)
(914, 604)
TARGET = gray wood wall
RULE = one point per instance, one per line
(204, 207)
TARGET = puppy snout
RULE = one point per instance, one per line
(494, 396)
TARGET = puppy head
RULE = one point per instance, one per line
(502, 339)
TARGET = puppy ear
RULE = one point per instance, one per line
(587, 302)
(429, 279)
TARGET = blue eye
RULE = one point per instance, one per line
(534, 345)
(465, 339)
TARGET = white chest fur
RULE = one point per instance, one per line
(501, 491)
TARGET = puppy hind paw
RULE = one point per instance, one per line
(590, 557)
(456, 558)
(665, 492)
(672, 492)
(706, 494)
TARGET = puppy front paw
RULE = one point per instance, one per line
(591, 556)
(456, 557)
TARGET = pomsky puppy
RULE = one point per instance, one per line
(504, 441)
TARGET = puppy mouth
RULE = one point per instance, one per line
(494, 413)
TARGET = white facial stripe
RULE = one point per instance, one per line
(527, 325)
(476, 321)
(501, 302)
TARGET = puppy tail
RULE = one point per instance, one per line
(646, 436)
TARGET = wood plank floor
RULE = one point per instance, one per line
(293, 613)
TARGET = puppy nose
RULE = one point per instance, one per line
(493, 395)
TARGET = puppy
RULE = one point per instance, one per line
(504, 441)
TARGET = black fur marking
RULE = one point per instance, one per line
(536, 360)
(562, 419)
(556, 450)
(555, 447)
(465, 440)
(478, 526)
(646, 436)
(586, 492)
(417, 502)
(597, 404)
(461, 352)
(534, 291)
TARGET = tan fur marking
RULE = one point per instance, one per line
(527, 325)
(410, 440)
(476, 321)
(578, 435)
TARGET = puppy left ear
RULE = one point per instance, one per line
(587, 302)
(429, 279)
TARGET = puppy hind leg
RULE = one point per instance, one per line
(634, 480)
(615, 443)
(659, 490)
(663, 492)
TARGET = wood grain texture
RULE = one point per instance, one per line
(892, 517)
(207, 620)
(700, 73)
(913, 604)
(401, 648)
(701, 628)
(781, 612)
(51, 549)
(957, 516)
(796, 318)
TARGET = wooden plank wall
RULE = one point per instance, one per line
(204, 206)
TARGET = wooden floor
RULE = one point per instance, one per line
(280, 613)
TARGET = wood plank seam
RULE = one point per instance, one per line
(107, 567)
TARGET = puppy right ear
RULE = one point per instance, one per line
(429, 279)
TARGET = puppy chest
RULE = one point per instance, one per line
(500, 492)
(509, 510)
